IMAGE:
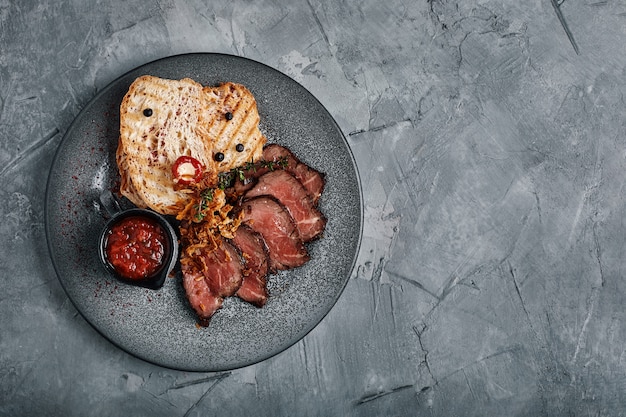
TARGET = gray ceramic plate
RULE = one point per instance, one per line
(159, 326)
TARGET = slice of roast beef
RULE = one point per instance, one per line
(223, 270)
(310, 178)
(291, 193)
(275, 158)
(209, 273)
(268, 217)
(256, 265)
(200, 297)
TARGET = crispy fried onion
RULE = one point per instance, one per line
(206, 217)
(196, 238)
(209, 207)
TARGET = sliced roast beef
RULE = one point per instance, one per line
(200, 297)
(209, 274)
(276, 158)
(256, 265)
(291, 193)
(223, 270)
(268, 217)
(310, 178)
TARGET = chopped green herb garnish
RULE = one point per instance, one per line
(206, 196)
(226, 179)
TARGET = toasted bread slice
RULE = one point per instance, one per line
(162, 120)
(239, 125)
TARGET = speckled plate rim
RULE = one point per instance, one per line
(69, 233)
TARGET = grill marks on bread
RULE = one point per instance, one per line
(161, 120)
(242, 128)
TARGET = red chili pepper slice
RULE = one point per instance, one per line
(187, 170)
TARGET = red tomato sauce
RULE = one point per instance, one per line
(135, 247)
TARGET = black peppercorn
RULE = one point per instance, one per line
(229, 116)
(147, 112)
(219, 157)
(239, 147)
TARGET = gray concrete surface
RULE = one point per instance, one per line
(490, 280)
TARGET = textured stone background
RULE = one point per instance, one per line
(490, 279)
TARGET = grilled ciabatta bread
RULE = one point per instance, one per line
(162, 120)
(236, 128)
